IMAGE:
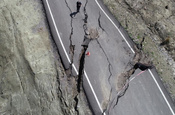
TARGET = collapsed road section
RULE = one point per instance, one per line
(109, 54)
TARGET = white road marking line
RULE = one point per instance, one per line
(161, 92)
(115, 26)
(94, 93)
(57, 31)
(69, 59)
(75, 69)
(134, 53)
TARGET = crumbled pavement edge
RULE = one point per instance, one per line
(74, 102)
(150, 47)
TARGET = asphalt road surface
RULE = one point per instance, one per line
(111, 51)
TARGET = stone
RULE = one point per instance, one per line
(32, 79)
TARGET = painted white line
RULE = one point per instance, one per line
(57, 31)
(161, 92)
(134, 53)
(69, 59)
(94, 93)
(115, 26)
(75, 69)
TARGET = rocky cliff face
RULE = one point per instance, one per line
(153, 21)
(32, 80)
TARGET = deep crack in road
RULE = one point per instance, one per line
(106, 37)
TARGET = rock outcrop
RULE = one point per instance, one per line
(32, 80)
(152, 20)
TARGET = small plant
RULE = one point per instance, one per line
(152, 53)
(138, 36)
(130, 35)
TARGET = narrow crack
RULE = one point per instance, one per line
(60, 93)
(124, 78)
(109, 100)
(110, 75)
(68, 6)
(124, 88)
(127, 75)
(76, 104)
(71, 46)
(121, 94)
(99, 22)
(85, 19)
(109, 63)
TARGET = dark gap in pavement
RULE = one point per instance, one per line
(71, 52)
(71, 46)
(83, 52)
(81, 68)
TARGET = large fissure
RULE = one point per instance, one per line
(76, 97)
(71, 46)
(83, 51)
(124, 78)
(112, 102)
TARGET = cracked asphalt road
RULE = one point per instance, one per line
(109, 58)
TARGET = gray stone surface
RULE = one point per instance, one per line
(32, 79)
